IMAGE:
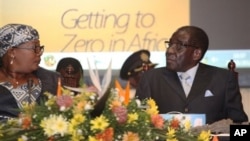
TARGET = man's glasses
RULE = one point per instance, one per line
(36, 49)
(178, 45)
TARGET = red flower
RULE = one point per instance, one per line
(51, 138)
(157, 121)
(26, 122)
(106, 135)
(175, 123)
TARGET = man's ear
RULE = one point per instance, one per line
(197, 54)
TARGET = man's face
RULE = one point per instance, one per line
(134, 79)
(181, 53)
(70, 77)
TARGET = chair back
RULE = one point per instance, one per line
(231, 66)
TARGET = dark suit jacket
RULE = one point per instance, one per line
(165, 88)
(8, 105)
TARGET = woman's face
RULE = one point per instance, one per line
(27, 56)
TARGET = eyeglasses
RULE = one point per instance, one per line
(36, 49)
(178, 45)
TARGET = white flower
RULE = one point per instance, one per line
(92, 97)
(34, 116)
(24, 138)
(62, 108)
(157, 137)
(55, 124)
(79, 132)
(138, 102)
(88, 107)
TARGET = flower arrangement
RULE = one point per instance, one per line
(68, 117)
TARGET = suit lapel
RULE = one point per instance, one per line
(201, 80)
(174, 82)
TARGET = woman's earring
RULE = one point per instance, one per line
(12, 59)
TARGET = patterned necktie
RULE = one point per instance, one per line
(184, 81)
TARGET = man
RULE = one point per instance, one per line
(212, 91)
(134, 66)
(71, 72)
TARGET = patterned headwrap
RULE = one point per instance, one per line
(12, 35)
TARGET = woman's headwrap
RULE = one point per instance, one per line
(12, 35)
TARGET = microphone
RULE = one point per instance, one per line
(29, 86)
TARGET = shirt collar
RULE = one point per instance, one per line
(191, 72)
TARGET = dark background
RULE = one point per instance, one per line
(227, 23)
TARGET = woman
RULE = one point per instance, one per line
(21, 78)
